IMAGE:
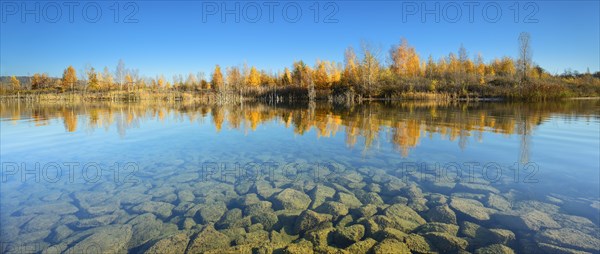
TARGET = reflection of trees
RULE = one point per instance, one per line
(406, 123)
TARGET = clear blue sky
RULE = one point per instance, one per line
(171, 37)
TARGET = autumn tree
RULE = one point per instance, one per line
(92, 79)
(301, 74)
(320, 76)
(253, 77)
(370, 68)
(217, 79)
(69, 78)
(286, 78)
(350, 75)
(235, 79)
(405, 60)
(107, 79)
(15, 83)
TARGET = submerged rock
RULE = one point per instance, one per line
(495, 249)
(526, 220)
(336, 209)
(445, 242)
(345, 236)
(348, 199)
(470, 208)
(320, 194)
(211, 212)
(437, 227)
(362, 246)
(291, 199)
(208, 239)
(160, 209)
(390, 246)
(481, 236)
(569, 238)
(441, 214)
(109, 239)
(403, 217)
(309, 220)
(173, 244)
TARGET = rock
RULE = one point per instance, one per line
(345, 236)
(495, 249)
(549, 248)
(265, 189)
(336, 209)
(309, 220)
(94, 222)
(362, 246)
(475, 188)
(437, 227)
(404, 217)
(320, 236)
(109, 239)
(498, 202)
(55, 208)
(345, 221)
(390, 233)
(417, 244)
(59, 233)
(436, 199)
(258, 208)
(348, 199)
(185, 196)
(290, 199)
(302, 247)
(569, 238)
(320, 194)
(255, 238)
(526, 220)
(371, 227)
(268, 219)
(445, 242)
(188, 223)
(470, 208)
(232, 219)
(482, 236)
(365, 211)
(211, 212)
(373, 187)
(160, 209)
(146, 227)
(40, 222)
(416, 200)
(208, 239)
(370, 198)
(390, 246)
(170, 245)
(441, 214)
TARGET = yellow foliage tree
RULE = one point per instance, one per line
(15, 83)
(69, 78)
(217, 79)
(253, 77)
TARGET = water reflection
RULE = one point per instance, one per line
(404, 124)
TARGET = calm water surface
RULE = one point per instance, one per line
(103, 177)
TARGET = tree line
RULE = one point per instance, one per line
(366, 73)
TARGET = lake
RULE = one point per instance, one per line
(254, 178)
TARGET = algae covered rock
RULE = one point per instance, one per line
(109, 239)
(569, 238)
(208, 239)
(390, 246)
(495, 249)
(441, 214)
(336, 209)
(160, 209)
(445, 242)
(170, 245)
(403, 217)
(291, 199)
(345, 236)
(470, 208)
(308, 220)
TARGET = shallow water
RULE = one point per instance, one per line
(102, 177)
